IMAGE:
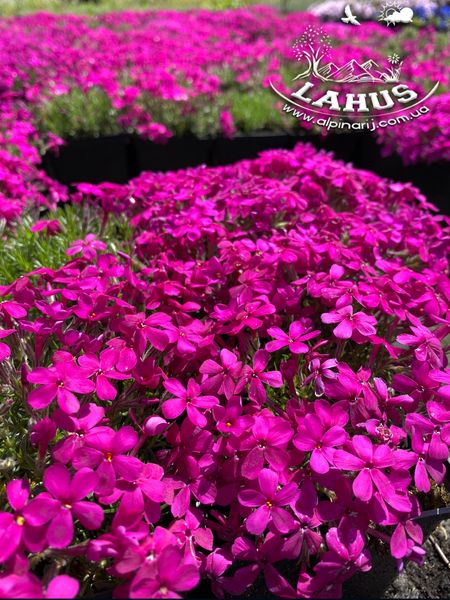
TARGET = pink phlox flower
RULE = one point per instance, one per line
(102, 369)
(269, 502)
(142, 496)
(320, 371)
(370, 461)
(419, 384)
(164, 577)
(220, 377)
(105, 450)
(59, 381)
(266, 442)
(16, 531)
(42, 434)
(346, 553)
(256, 376)
(125, 358)
(29, 586)
(312, 436)
(93, 307)
(51, 227)
(63, 503)
(229, 418)
(429, 450)
(262, 555)
(350, 322)
(191, 532)
(87, 247)
(89, 416)
(153, 329)
(299, 333)
(187, 399)
(427, 347)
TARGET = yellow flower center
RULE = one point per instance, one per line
(20, 520)
(108, 456)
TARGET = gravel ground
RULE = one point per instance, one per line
(432, 579)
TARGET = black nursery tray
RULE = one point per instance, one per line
(91, 160)
(120, 158)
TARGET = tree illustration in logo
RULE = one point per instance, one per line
(313, 46)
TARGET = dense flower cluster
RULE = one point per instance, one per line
(257, 390)
(428, 141)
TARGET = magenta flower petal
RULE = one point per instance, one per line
(89, 514)
(344, 330)
(276, 345)
(10, 535)
(67, 401)
(42, 397)
(318, 462)
(256, 391)
(253, 463)
(287, 495)
(399, 544)
(346, 461)
(105, 390)
(62, 586)
(128, 467)
(261, 360)
(298, 348)
(257, 522)
(268, 482)
(421, 477)
(272, 378)
(335, 436)
(87, 457)
(57, 481)
(41, 510)
(362, 486)
(125, 440)
(82, 484)
(363, 447)
(106, 478)
(251, 498)
(180, 504)
(17, 492)
(195, 416)
(5, 351)
(282, 520)
(60, 532)
(173, 408)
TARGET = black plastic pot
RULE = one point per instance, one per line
(433, 180)
(345, 146)
(120, 158)
(229, 150)
(176, 153)
(375, 582)
(91, 160)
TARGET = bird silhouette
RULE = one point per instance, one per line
(349, 17)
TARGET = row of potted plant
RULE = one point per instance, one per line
(94, 76)
(236, 378)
